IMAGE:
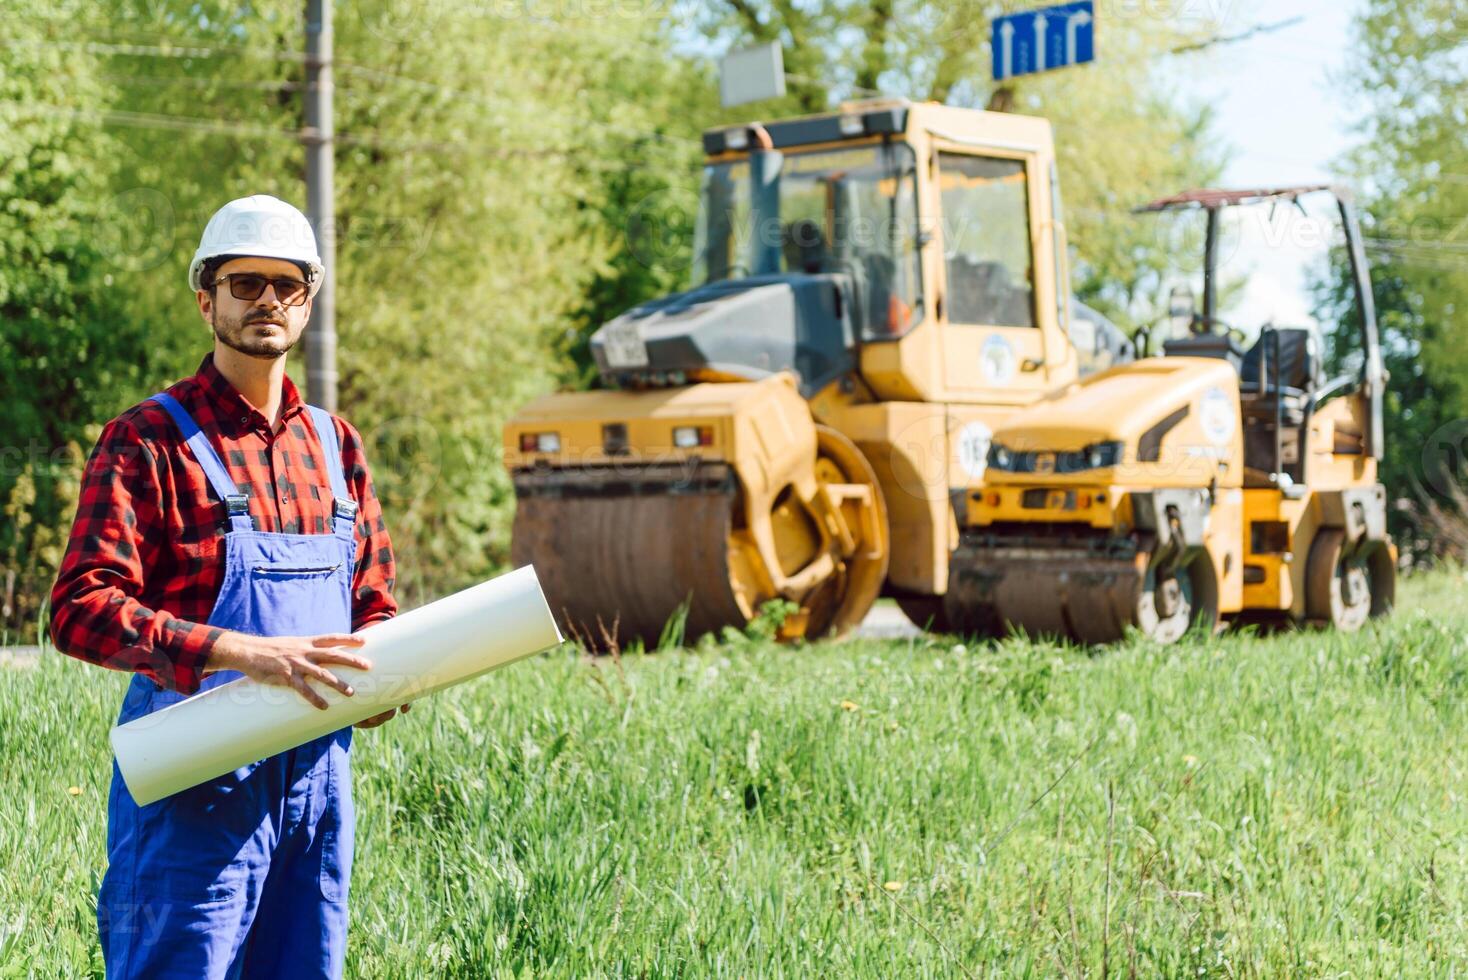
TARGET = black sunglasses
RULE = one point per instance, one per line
(248, 285)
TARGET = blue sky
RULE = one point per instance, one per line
(1287, 118)
(1276, 103)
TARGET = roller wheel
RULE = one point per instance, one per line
(1345, 590)
(1081, 597)
(842, 601)
(1171, 603)
(624, 566)
(613, 573)
(1381, 564)
(925, 612)
(974, 619)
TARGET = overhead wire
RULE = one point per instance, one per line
(198, 124)
(1422, 256)
(345, 67)
(266, 85)
(1460, 248)
(153, 50)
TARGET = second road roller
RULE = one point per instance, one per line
(874, 290)
(1234, 477)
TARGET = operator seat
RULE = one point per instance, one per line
(1205, 344)
(982, 291)
(804, 245)
(1277, 384)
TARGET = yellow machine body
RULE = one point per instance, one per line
(716, 487)
(1180, 490)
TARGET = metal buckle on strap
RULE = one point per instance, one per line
(236, 504)
(344, 507)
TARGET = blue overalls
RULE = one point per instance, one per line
(245, 875)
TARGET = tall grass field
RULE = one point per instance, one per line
(1245, 806)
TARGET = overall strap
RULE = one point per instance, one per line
(236, 503)
(343, 507)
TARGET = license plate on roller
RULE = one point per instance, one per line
(1046, 499)
(624, 345)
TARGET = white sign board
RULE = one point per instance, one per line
(752, 74)
(973, 448)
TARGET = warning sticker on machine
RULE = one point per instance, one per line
(973, 448)
(1216, 413)
(996, 360)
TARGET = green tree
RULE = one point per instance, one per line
(67, 351)
(486, 155)
(1409, 71)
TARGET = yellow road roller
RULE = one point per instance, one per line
(874, 289)
(1234, 477)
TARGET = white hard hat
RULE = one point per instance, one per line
(261, 226)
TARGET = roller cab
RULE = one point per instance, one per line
(1228, 479)
(875, 290)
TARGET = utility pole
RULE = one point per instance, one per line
(318, 138)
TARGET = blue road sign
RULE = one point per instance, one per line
(1039, 40)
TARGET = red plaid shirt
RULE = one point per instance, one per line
(145, 560)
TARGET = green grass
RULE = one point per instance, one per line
(1289, 805)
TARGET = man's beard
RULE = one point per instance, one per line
(236, 333)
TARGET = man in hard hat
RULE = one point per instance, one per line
(226, 528)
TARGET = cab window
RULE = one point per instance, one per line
(986, 235)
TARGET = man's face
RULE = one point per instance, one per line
(262, 327)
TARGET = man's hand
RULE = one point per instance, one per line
(290, 661)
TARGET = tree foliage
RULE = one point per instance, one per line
(1410, 70)
(483, 152)
(66, 351)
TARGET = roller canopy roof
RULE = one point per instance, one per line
(1218, 198)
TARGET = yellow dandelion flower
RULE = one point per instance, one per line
(848, 705)
(74, 790)
(893, 886)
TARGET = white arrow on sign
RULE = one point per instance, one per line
(1040, 21)
(1073, 24)
(1006, 35)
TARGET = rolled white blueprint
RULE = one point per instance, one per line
(435, 646)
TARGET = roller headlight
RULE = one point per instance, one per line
(540, 442)
(1098, 455)
(1103, 454)
(1093, 457)
(693, 436)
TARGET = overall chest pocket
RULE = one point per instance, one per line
(291, 595)
(295, 571)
